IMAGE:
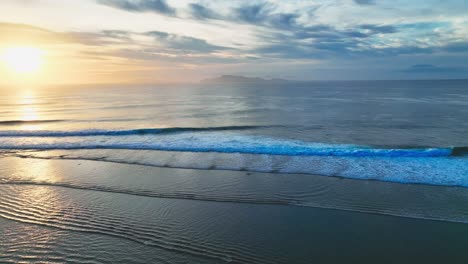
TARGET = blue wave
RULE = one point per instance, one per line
(273, 150)
(447, 171)
(193, 141)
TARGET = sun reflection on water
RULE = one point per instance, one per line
(42, 202)
(29, 113)
(28, 110)
(39, 171)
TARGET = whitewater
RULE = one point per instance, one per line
(223, 148)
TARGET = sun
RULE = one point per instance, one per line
(23, 59)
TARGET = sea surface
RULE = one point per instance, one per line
(316, 172)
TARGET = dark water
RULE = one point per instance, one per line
(252, 174)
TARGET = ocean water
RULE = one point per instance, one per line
(234, 173)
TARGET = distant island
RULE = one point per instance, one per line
(235, 79)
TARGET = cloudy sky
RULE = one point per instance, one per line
(146, 41)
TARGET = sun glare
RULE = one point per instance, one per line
(23, 59)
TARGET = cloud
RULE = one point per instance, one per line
(291, 38)
(254, 14)
(183, 43)
(102, 38)
(335, 44)
(201, 12)
(263, 14)
(156, 6)
(379, 29)
(260, 14)
(21, 33)
(270, 31)
(158, 55)
(457, 47)
(13, 27)
(322, 41)
(364, 2)
(163, 42)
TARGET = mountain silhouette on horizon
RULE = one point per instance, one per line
(237, 79)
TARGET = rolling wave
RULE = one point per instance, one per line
(343, 151)
(460, 151)
(207, 139)
(222, 148)
(442, 171)
(123, 132)
(28, 122)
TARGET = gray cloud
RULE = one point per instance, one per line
(263, 14)
(201, 12)
(254, 14)
(102, 38)
(365, 2)
(325, 42)
(379, 29)
(155, 54)
(167, 42)
(456, 47)
(157, 6)
(321, 41)
(184, 43)
(260, 14)
(299, 40)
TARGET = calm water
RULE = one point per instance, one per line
(234, 174)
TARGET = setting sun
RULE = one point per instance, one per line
(23, 59)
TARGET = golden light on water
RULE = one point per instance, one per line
(23, 59)
(29, 113)
(27, 110)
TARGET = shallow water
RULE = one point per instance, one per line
(61, 223)
(415, 201)
(52, 223)
(281, 174)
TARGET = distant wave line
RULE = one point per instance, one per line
(26, 122)
(123, 132)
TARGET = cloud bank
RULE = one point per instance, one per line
(343, 39)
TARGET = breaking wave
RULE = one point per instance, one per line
(122, 132)
(205, 139)
(225, 148)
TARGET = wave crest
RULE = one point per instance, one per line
(27, 122)
(122, 132)
(204, 139)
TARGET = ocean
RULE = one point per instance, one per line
(297, 172)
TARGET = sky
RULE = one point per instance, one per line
(164, 41)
